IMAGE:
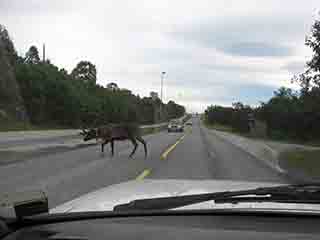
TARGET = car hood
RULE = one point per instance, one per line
(106, 198)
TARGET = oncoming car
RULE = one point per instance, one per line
(189, 123)
(175, 126)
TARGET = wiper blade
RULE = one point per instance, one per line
(306, 193)
(278, 199)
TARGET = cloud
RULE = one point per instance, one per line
(214, 52)
(255, 49)
(295, 67)
(201, 68)
(253, 36)
(36, 7)
(222, 95)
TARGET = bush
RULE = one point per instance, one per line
(236, 117)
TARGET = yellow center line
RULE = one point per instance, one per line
(165, 154)
(144, 174)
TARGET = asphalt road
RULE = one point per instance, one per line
(198, 154)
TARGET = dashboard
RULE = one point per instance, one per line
(177, 227)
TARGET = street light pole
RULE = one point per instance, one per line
(162, 77)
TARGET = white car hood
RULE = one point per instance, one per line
(106, 198)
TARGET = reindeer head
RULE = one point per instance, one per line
(89, 134)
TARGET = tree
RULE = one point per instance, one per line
(8, 45)
(174, 110)
(112, 86)
(284, 92)
(312, 74)
(288, 114)
(86, 72)
(238, 105)
(63, 71)
(52, 98)
(236, 117)
(313, 41)
(32, 56)
(154, 95)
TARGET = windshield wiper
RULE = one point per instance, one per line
(306, 193)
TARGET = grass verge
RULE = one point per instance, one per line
(218, 127)
(306, 160)
(14, 125)
(314, 143)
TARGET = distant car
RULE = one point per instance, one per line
(175, 126)
(189, 123)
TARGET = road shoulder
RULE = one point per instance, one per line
(271, 154)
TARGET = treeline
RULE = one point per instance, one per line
(237, 116)
(288, 114)
(54, 97)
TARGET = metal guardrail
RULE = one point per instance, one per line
(162, 124)
(11, 136)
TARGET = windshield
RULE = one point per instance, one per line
(128, 100)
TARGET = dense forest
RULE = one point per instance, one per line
(53, 97)
(288, 114)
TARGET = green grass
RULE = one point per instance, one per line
(13, 125)
(288, 140)
(306, 160)
(27, 127)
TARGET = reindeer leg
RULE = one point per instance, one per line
(134, 142)
(102, 149)
(140, 139)
(112, 147)
(102, 146)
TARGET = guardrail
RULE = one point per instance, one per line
(14, 136)
(256, 148)
(163, 124)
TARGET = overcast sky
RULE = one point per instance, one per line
(214, 52)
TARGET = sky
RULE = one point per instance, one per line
(213, 52)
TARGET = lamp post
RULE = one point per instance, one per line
(161, 94)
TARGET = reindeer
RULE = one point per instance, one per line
(116, 132)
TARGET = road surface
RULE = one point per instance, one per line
(197, 154)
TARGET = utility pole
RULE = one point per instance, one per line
(162, 77)
(43, 53)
